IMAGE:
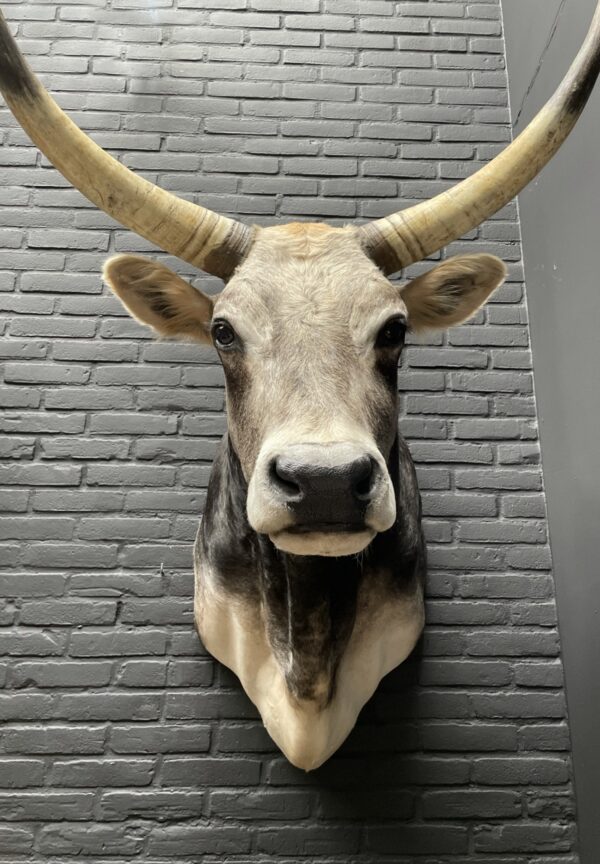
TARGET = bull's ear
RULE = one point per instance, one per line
(156, 296)
(452, 291)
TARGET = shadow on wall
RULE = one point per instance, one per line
(373, 777)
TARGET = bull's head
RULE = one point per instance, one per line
(311, 370)
(309, 331)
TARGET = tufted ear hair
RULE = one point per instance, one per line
(156, 296)
(452, 292)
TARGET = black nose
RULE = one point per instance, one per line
(325, 496)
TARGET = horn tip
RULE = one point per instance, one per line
(16, 79)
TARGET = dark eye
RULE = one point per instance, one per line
(223, 334)
(391, 334)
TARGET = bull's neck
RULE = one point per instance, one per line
(308, 603)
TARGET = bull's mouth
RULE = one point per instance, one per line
(329, 539)
(328, 528)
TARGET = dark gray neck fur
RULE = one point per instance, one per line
(310, 602)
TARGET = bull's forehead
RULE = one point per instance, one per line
(307, 276)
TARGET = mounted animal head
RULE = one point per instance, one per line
(309, 330)
(311, 370)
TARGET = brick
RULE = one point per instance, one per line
(162, 806)
(472, 405)
(68, 555)
(498, 479)
(130, 475)
(122, 528)
(36, 806)
(523, 838)
(185, 673)
(513, 531)
(29, 642)
(308, 841)
(40, 475)
(60, 674)
(22, 305)
(545, 736)
(507, 585)
(54, 739)
(164, 501)
(499, 771)
(22, 349)
(550, 805)
(285, 806)
(418, 838)
(453, 504)
(116, 583)
(529, 557)
(244, 738)
(493, 428)
(513, 644)
(177, 738)
(114, 423)
(100, 643)
(89, 398)
(539, 674)
(106, 772)
(469, 737)
(465, 672)
(82, 350)
(32, 528)
(186, 840)
(188, 771)
(525, 506)
(472, 804)
(380, 804)
(16, 501)
(27, 706)
(16, 839)
(73, 448)
(286, 5)
(91, 840)
(208, 705)
(19, 397)
(148, 555)
(32, 585)
(108, 706)
(20, 773)
(142, 673)
(90, 500)
(520, 704)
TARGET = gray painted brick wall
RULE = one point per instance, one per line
(120, 737)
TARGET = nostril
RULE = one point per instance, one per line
(363, 478)
(282, 476)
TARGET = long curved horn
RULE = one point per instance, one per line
(205, 239)
(412, 234)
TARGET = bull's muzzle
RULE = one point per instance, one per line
(321, 499)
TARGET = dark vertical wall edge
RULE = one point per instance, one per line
(560, 221)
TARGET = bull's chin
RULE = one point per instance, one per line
(329, 542)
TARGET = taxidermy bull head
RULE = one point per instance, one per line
(310, 558)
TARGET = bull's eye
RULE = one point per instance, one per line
(223, 334)
(392, 333)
